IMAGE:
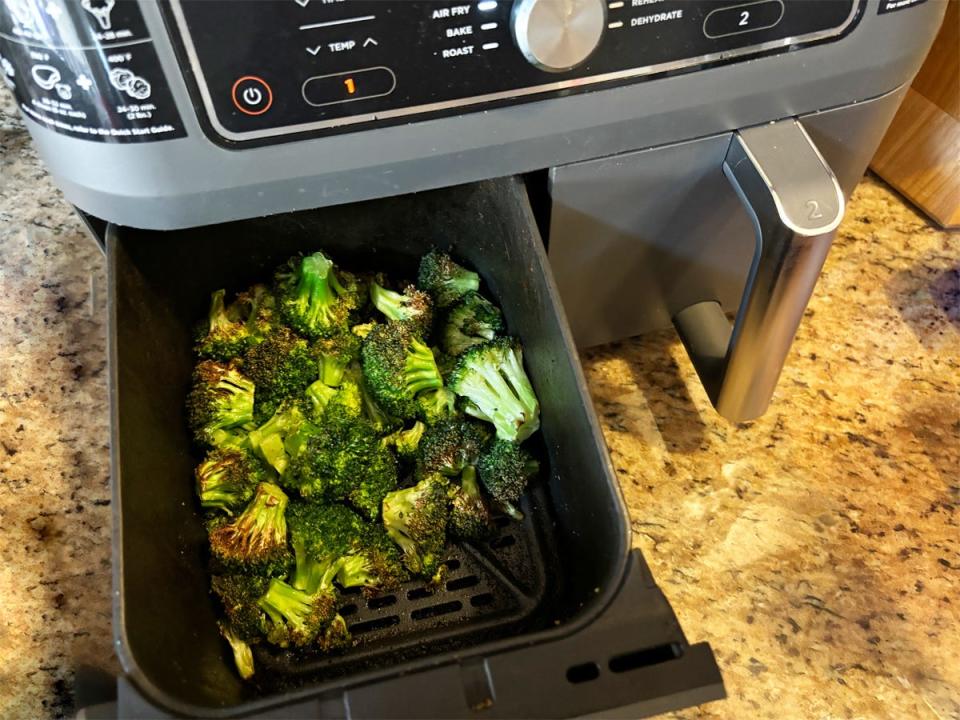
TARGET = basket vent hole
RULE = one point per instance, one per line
(452, 564)
(482, 600)
(584, 672)
(435, 610)
(347, 610)
(381, 602)
(464, 582)
(371, 625)
(502, 521)
(351, 591)
(644, 658)
(503, 542)
(419, 593)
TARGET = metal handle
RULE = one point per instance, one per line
(796, 205)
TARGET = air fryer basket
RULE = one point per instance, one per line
(542, 620)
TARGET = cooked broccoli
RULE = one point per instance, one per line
(298, 617)
(446, 281)
(470, 518)
(437, 405)
(450, 446)
(220, 400)
(405, 442)
(416, 520)
(362, 330)
(227, 478)
(282, 436)
(319, 394)
(335, 636)
(505, 469)
(242, 654)
(281, 366)
(238, 593)
(258, 536)
(413, 305)
(345, 462)
(472, 321)
(225, 335)
(399, 368)
(345, 406)
(260, 307)
(334, 354)
(315, 299)
(491, 377)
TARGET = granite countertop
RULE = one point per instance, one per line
(817, 549)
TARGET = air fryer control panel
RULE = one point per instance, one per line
(265, 70)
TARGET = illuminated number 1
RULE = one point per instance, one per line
(351, 87)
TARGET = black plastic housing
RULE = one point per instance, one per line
(522, 659)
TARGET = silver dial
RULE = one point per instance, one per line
(556, 35)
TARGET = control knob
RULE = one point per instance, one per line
(557, 35)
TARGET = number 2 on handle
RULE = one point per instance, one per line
(744, 18)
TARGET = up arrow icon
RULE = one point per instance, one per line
(368, 41)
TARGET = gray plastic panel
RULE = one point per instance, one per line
(636, 237)
(181, 183)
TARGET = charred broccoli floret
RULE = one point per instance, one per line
(220, 401)
(470, 518)
(416, 520)
(334, 355)
(238, 594)
(225, 335)
(505, 469)
(242, 654)
(446, 281)
(472, 321)
(492, 379)
(450, 446)
(282, 436)
(316, 299)
(405, 441)
(413, 306)
(399, 369)
(298, 617)
(227, 478)
(258, 536)
(260, 310)
(281, 366)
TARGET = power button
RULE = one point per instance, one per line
(252, 95)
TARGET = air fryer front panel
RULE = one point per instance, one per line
(276, 70)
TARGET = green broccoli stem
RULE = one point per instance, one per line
(319, 394)
(315, 294)
(468, 481)
(355, 571)
(392, 304)
(310, 574)
(332, 369)
(285, 603)
(509, 509)
(218, 312)
(242, 654)
(421, 371)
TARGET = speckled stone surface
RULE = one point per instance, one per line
(816, 549)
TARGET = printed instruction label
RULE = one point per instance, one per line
(893, 5)
(86, 68)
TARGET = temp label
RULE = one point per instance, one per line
(86, 68)
(892, 5)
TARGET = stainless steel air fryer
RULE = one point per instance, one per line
(686, 160)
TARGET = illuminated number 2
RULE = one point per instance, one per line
(744, 18)
(351, 87)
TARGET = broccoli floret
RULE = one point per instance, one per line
(220, 402)
(345, 462)
(225, 335)
(227, 478)
(258, 536)
(413, 305)
(260, 309)
(319, 394)
(450, 446)
(437, 405)
(405, 442)
(298, 617)
(362, 330)
(472, 321)
(281, 366)
(238, 594)
(335, 636)
(315, 299)
(398, 368)
(505, 469)
(345, 406)
(470, 518)
(492, 379)
(282, 436)
(334, 354)
(446, 281)
(242, 654)
(416, 520)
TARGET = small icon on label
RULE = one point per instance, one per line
(84, 83)
(302, 3)
(252, 95)
(64, 91)
(370, 41)
(130, 83)
(100, 9)
(314, 50)
(46, 76)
